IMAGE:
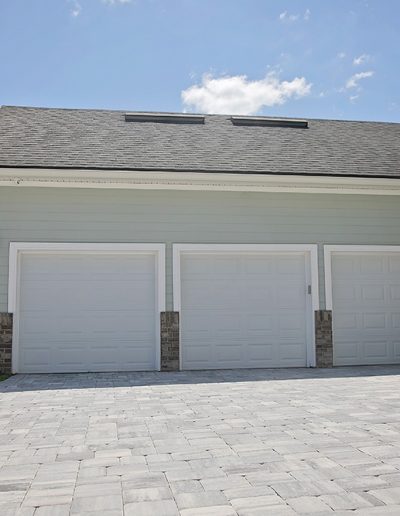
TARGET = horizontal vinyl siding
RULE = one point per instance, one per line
(79, 215)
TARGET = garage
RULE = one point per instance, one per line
(87, 308)
(245, 306)
(363, 291)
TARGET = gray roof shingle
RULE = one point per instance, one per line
(101, 139)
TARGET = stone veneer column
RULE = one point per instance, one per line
(323, 338)
(169, 328)
(6, 325)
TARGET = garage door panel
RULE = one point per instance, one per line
(291, 297)
(260, 303)
(258, 266)
(378, 349)
(375, 321)
(223, 266)
(199, 354)
(84, 296)
(395, 320)
(86, 323)
(87, 312)
(395, 292)
(291, 322)
(257, 293)
(394, 264)
(347, 321)
(35, 359)
(201, 293)
(293, 265)
(373, 293)
(366, 307)
(230, 352)
(372, 264)
(344, 265)
(263, 350)
(345, 349)
(69, 356)
(259, 323)
(291, 350)
(345, 292)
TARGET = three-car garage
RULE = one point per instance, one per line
(96, 307)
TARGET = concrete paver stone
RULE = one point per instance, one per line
(262, 442)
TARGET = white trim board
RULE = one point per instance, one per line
(329, 250)
(310, 250)
(18, 248)
(203, 181)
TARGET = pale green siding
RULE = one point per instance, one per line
(96, 215)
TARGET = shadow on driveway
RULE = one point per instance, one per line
(35, 382)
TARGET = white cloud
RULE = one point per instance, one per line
(353, 98)
(114, 2)
(341, 55)
(76, 8)
(286, 17)
(363, 58)
(357, 77)
(240, 96)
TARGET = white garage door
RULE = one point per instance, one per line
(244, 310)
(87, 312)
(366, 307)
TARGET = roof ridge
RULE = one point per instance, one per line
(104, 110)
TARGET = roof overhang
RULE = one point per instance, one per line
(160, 180)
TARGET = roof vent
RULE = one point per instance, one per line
(166, 118)
(269, 122)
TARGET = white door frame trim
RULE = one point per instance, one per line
(329, 250)
(19, 248)
(311, 250)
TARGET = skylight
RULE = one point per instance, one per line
(269, 122)
(167, 118)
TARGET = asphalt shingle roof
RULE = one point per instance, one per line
(100, 139)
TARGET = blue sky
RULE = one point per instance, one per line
(304, 58)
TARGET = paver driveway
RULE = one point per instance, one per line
(251, 442)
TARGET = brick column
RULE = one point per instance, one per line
(169, 327)
(323, 338)
(6, 325)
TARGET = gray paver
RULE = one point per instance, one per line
(389, 496)
(96, 503)
(309, 505)
(54, 510)
(38, 501)
(219, 510)
(186, 486)
(97, 489)
(159, 508)
(221, 443)
(147, 494)
(256, 501)
(193, 500)
(350, 501)
(271, 510)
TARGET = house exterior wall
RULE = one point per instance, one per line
(99, 215)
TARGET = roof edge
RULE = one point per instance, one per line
(201, 171)
(161, 180)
